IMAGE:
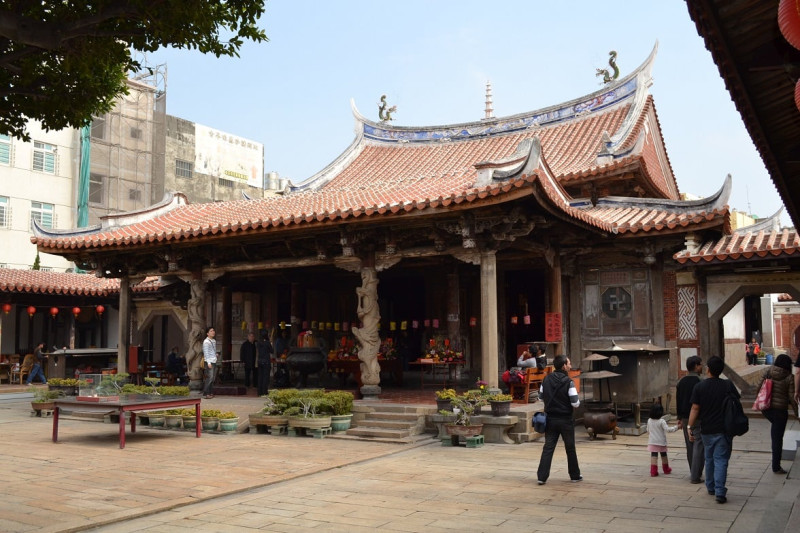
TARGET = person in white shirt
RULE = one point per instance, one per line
(210, 362)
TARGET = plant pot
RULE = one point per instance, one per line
(473, 430)
(157, 421)
(210, 423)
(309, 423)
(443, 405)
(173, 421)
(260, 419)
(229, 425)
(42, 406)
(189, 422)
(500, 408)
(341, 422)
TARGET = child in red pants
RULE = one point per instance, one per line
(657, 429)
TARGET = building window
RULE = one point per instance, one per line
(616, 302)
(96, 193)
(44, 157)
(99, 128)
(183, 169)
(5, 149)
(5, 215)
(136, 133)
(42, 213)
(225, 183)
(134, 194)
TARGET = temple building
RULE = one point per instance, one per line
(562, 225)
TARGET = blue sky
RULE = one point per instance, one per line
(432, 59)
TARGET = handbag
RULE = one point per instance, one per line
(764, 398)
(539, 421)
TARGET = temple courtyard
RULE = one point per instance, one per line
(171, 481)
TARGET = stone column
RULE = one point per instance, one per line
(226, 327)
(196, 311)
(368, 335)
(489, 355)
(123, 331)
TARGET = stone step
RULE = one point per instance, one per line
(369, 432)
(419, 439)
(381, 415)
(389, 424)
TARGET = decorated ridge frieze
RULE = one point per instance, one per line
(507, 125)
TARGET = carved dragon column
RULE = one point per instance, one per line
(489, 355)
(197, 318)
(368, 337)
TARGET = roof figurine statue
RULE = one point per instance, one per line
(612, 62)
(384, 113)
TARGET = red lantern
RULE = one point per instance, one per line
(789, 21)
(76, 311)
(6, 308)
(473, 321)
(514, 320)
(526, 320)
(797, 94)
(100, 310)
(54, 312)
(31, 311)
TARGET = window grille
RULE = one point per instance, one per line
(43, 214)
(225, 183)
(5, 214)
(5, 149)
(183, 169)
(44, 157)
(96, 188)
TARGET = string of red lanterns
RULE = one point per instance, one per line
(789, 24)
(53, 310)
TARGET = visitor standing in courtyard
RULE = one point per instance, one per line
(695, 454)
(210, 362)
(247, 355)
(783, 397)
(707, 400)
(264, 349)
(657, 430)
(560, 400)
(38, 362)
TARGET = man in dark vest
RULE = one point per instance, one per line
(247, 355)
(560, 400)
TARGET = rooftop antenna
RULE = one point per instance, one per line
(747, 193)
(488, 112)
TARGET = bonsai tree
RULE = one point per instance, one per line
(464, 406)
(341, 402)
(42, 395)
(309, 404)
(111, 384)
(272, 408)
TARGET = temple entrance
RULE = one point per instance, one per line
(525, 299)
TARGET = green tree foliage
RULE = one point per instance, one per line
(36, 263)
(62, 61)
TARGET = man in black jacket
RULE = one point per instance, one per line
(247, 354)
(560, 399)
(695, 454)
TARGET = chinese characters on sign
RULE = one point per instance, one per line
(552, 327)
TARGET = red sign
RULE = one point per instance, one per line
(552, 327)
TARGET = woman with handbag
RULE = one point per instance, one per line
(781, 398)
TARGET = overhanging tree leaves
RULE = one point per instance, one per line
(62, 61)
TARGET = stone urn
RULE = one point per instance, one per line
(600, 421)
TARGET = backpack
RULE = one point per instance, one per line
(736, 422)
(539, 422)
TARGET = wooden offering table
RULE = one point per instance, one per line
(126, 404)
(345, 367)
(434, 365)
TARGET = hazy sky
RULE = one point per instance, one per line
(433, 58)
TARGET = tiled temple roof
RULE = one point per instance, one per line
(62, 283)
(764, 239)
(394, 170)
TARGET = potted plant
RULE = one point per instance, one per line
(500, 404)
(444, 399)
(173, 418)
(189, 418)
(464, 407)
(43, 399)
(309, 409)
(210, 419)
(228, 421)
(156, 419)
(341, 403)
(68, 386)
